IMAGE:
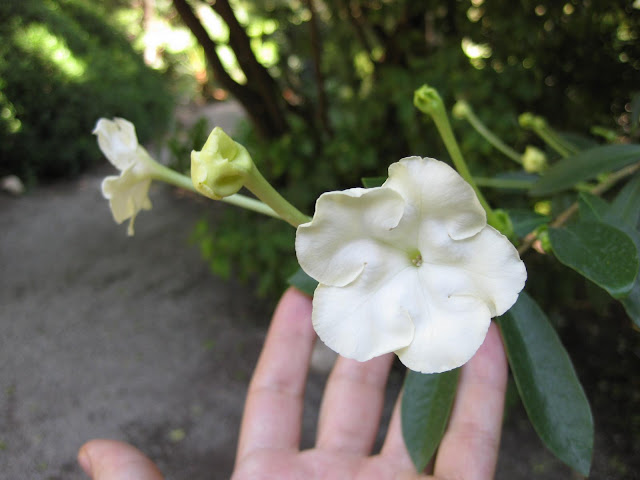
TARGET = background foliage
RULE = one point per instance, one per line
(344, 73)
(63, 65)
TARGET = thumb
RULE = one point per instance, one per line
(111, 460)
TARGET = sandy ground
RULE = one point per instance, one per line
(132, 338)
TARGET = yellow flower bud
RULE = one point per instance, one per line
(460, 110)
(534, 160)
(221, 167)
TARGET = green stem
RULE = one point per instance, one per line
(505, 183)
(262, 189)
(172, 177)
(491, 137)
(550, 139)
(428, 101)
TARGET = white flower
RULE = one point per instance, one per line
(127, 193)
(410, 267)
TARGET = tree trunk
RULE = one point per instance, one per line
(260, 97)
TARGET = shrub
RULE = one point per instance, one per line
(62, 66)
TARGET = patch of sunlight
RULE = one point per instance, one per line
(261, 26)
(636, 4)
(363, 65)
(474, 14)
(625, 33)
(266, 51)
(476, 52)
(213, 24)
(37, 40)
(230, 63)
(8, 114)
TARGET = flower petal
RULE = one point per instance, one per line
(368, 317)
(448, 332)
(346, 232)
(434, 190)
(127, 194)
(485, 266)
(118, 141)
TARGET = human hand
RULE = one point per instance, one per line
(349, 417)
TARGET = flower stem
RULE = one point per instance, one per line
(552, 140)
(428, 101)
(262, 189)
(541, 128)
(489, 136)
(172, 177)
(504, 183)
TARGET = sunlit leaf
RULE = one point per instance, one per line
(600, 252)
(548, 385)
(585, 165)
(426, 404)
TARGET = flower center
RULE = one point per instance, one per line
(416, 258)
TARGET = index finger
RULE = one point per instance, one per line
(273, 409)
(469, 448)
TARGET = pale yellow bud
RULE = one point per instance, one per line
(221, 167)
(534, 160)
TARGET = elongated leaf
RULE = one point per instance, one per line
(592, 208)
(626, 205)
(600, 252)
(595, 208)
(303, 282)
(585, 165)
(548, 385)
(426, 405)
(370, 182)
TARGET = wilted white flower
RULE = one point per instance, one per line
(128, 192)
(410, 267)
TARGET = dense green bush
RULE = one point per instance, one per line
(62, 66)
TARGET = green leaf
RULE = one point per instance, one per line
(525, 221)
(626, 205)
(548, 385)
(371, 182)
(631, 304)
(303, 282)
(592, 208)
(585, 165)
(600, 252)
(426, 404)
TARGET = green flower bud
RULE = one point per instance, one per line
(503, 223)
(534, 160)
(529, 120)
(545, 241)
(428, 100)
(461, 110)
(220, 169)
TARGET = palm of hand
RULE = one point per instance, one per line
(349, 417)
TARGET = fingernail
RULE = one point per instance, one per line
(85, 461)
